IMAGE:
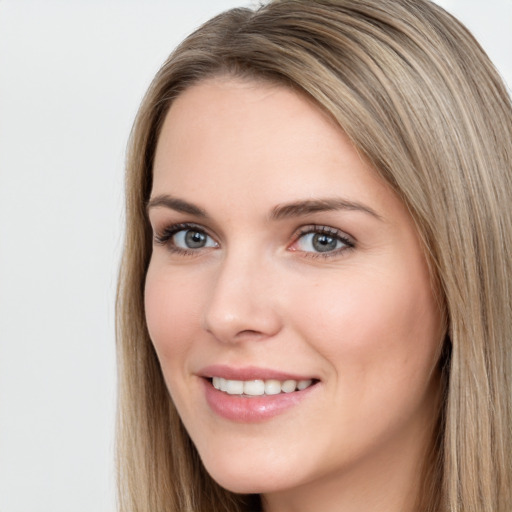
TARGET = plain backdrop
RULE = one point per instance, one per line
(72, 74)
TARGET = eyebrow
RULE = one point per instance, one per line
(279, 212)
(310, 206)
(176, 204)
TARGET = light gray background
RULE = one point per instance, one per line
(71, 76)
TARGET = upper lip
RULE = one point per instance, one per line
(249, 373)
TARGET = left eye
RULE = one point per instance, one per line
(192, 239)
(321, 242)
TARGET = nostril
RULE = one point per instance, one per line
(248, 333)
(236, 312)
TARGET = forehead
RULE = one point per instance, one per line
(236, 142)
(222, 117)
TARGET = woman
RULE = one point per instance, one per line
(315, 295)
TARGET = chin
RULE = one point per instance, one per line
(245, 478)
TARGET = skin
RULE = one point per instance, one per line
(363, 319)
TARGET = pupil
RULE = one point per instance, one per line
(324, 243)
(195, 240)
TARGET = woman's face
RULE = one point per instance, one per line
(286, 271)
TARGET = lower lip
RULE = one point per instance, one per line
(243, 409)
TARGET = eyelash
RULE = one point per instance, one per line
(164, 238)
(329, 231)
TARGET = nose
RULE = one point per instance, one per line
(241, 305)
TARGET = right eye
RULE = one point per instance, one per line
(192, 239)
(185, 238)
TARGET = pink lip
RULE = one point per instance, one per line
(243, 409)
(248, 373)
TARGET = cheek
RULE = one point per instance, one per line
(172, 310)
(375, 329)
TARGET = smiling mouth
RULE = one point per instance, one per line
(257, 387)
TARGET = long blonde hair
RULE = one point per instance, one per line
(421, 101)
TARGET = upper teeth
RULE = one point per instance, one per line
(259, 387)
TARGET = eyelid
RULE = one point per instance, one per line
(348, 241)
(164, 236)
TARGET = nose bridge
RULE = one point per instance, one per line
(241, 302)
